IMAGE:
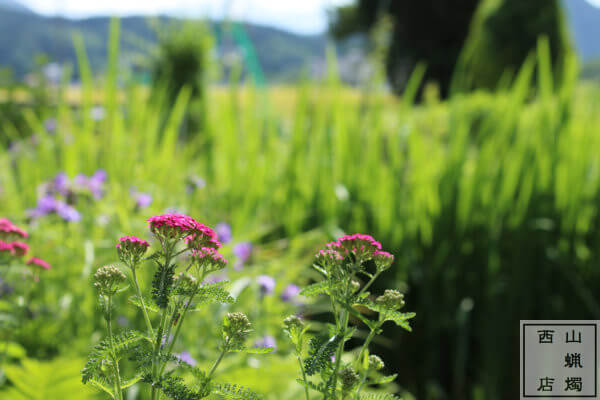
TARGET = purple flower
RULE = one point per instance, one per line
(50, 125)
(266, 341)
(47, 204)
(100, 175)
(67, 212)
(122, 320)
(215, 278)
(195, 182)
(290, 293)
(223, 232)
(143, 200)
(186, 357)
(266, 284)
(95, 183)
(60, 184)
(242, 251)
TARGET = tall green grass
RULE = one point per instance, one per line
(490, 200)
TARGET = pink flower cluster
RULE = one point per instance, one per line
(131, 249)
(9, 231)
(14, 248)
(177, 226)
(38, 262)
(133, 242)
(177, 222)
(327, 256)
(362, 247)
(205, 237)
(209, 256)
(383, 259)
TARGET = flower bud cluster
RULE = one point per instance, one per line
(108, 279)
(185, 283)
(236, 329)
(375, 363)
(349, 378)
(209, 258)
(391, 299)
(292, 323)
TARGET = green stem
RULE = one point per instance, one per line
(303, 376)
(369, 283)
(178, 329)
(155, 395)
(117, 383)
(139, 294)
(338, 354)
(216, 364)
(365, 346)
(344, 327)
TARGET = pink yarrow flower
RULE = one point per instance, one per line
(208, 256)
(131, 249)
(132, 241)
(6, 248)
(360, 245)
(383, 259)
(205, 237)
(38, 262)
(8, 230)
(327, 257)
(19, 248)
(173, 226)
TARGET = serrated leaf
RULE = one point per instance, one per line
(100, 386)
(236, 392)
(259, 350)
(147, 302)
(315, 289)
(131, 382)
(320, 352)
(400, 319)
(384, 379)
(213, 293)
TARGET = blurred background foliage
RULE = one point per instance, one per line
(488, 194)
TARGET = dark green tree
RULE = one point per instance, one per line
(499, 35)
(183, 61)
(503, 34)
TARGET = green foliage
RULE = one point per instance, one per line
(321, 349)
(235, 392)
(183, 61)
(489, 200)
(162, 284)
(41, 380)
(341, 263)
(503, 34)
(107, 352)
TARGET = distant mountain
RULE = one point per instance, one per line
(13, 5)
(23, 34)
(584, 19)
(283, 55)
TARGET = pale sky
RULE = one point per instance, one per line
(301, 16)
